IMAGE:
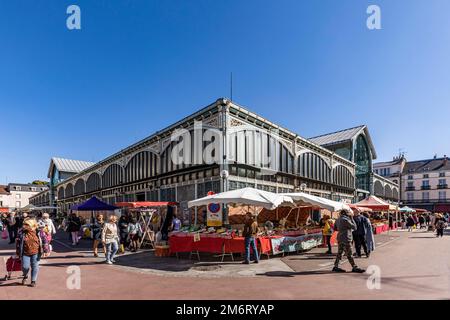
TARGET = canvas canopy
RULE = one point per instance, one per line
(305, 199)
(246, 196)
(145, 204)
(94, 204)
(376, 204)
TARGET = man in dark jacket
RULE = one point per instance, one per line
(345, 225)
(359, 235)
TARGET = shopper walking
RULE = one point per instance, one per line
(327, 225)
(359, 235)
(29, 249)
(440, 226)
(123, 232)
(74, 227)
(410, 223)
(370, 240)
(110, 239)
(12, 228)
(249, 233)
(134, 234)
(50, 228)
(96, 229)
(345, 225)
(421, 221)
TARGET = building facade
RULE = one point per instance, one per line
(424, 183)
(252, 152)
(17, 195)
(218, 148)
(59, 170)
(355, 145)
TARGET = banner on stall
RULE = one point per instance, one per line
(293, 244)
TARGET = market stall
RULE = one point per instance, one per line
(382, 213)
(285, 218)
(150, 215)
(86, 211)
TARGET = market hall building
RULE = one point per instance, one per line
(146, 171)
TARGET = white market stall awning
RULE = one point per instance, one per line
(407, 209)
(246, 196)
(305, 199)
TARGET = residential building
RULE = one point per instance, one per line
(424, 183)
(17, 195)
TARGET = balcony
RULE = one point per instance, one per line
(426, 187)
(410, 188)
(442, 186)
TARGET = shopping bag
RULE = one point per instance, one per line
(4, 234)
(13, 264)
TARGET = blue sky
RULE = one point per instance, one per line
(136, 66)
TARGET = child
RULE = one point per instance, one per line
(440, 226)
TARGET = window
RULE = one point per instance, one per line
(410, 196)
(425, 183)
(410, 184)
(18, 188)
(425, 196)
(410, 177)
(376, 171)
(442, 195)
(33, 189)
(441, 174)
(18, 196)
(442, 182)
(18, 204)
(388, 171)
(426, 176)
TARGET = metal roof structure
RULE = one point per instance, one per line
(68, 165)
(343, 136)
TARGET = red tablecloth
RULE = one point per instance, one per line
(381, 228)
(215, 244)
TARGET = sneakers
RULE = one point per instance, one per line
(109, 262)
(24, 280)
(358, 270)
(337, 269)
(246, 262)
(33, 284)
(256, 261)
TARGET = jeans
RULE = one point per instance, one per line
(251, 241)
(33, 262)
(111, 250)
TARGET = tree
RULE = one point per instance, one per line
(40, 182)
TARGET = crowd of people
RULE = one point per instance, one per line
(429, 221)
(32, 236)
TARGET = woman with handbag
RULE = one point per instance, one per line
(30, 247)
(134, 234)
(110, 239)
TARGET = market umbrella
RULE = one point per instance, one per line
(407, 209)
(305, 199)
(94, 204)
(246, 196)
(376, 204)
(28, 208)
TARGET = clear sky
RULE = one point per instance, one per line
(136, 66)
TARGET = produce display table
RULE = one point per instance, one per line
(214, 244)
(381, 228)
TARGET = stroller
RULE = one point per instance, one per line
(13, 264)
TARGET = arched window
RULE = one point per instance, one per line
(395, 193)
(378, 188)
(343, 177)
(69, 190)
(141, 166)
(312, 166)
(112, 176)
(61, 193)
(79, 187)
(388, 192)
(93, 183)
(363, 160)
